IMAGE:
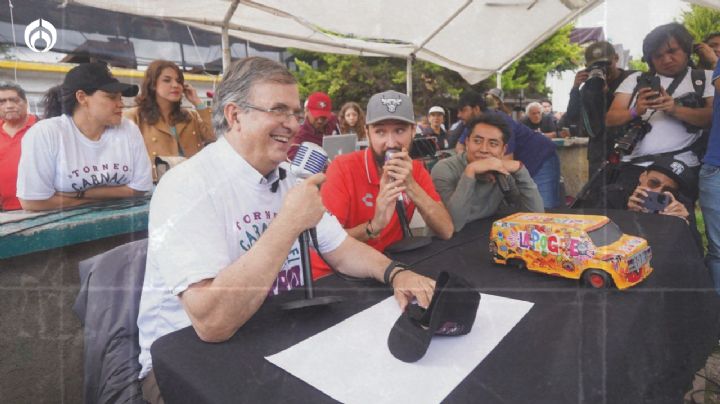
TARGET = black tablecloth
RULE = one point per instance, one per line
(642, 344)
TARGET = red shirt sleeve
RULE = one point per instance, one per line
(335, 192)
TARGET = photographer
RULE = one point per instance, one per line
(665, 108)
(590, 98)
(658, 186)
(666, 187)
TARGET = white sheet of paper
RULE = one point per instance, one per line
(351, 362)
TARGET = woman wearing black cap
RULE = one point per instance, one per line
(85, 151)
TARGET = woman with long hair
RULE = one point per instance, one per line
(352, 120)
(169, 129)
(84, 151)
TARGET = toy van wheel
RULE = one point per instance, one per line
(516, 263)
(597, 279)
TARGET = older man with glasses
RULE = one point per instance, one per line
(224, 225)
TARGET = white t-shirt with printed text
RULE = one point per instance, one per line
(56, 156)
(667, 133)
(204, 215)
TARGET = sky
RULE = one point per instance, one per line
(628, 21)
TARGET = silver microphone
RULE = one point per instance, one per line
(309, 160)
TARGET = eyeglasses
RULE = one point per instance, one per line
(279, 113)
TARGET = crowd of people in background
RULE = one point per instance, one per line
(649, 132)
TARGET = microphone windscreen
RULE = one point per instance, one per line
(310, 159)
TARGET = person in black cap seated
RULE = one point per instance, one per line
(85, 151)
(668, 176)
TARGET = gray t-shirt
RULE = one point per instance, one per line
(469, 199)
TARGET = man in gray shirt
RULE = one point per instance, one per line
(470, 183)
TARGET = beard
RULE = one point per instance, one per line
(379, 159)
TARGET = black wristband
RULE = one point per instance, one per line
(392, 277)
(390, 267)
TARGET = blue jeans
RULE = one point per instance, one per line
(547, 180)
(710, 205)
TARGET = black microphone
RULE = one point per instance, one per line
(408, 242)
(510, 193)
(502, 181)
(309, 160)
(389, 155)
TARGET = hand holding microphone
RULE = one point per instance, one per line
(390, 191)
(304, 201)
(398, 165)
(398, 171)
(305, 204)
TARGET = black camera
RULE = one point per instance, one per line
(649, 81)
(637, 129)
(690, 100)
(597, 70)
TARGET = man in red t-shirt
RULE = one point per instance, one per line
(319, 122)
(362, 188)
(14, 122)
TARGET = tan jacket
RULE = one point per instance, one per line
(193, 135)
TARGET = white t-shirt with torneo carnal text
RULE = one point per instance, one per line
(56, 156)
(667, 133)
(204, 215)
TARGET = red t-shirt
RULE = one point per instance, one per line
(349, 193)
(9, 160)
(307, 133)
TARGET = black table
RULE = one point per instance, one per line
(576, 345)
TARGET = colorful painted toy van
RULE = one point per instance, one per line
(587, 247)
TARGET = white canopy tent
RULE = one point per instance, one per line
(706, 3)
(475, 38)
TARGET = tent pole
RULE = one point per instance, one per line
(225, 41)
(498, 79)
(225, 35)
(408, 75)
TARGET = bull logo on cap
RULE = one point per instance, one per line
(391, 103)
(677, 168)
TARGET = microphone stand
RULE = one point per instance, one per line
(310, 299)
(310, 159)
(408, 242)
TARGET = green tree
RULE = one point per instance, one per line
(554, 55)
(354, 78)
(638, 65)
(700, 21)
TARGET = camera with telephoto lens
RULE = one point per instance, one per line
(597, 70)
(637, 129)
